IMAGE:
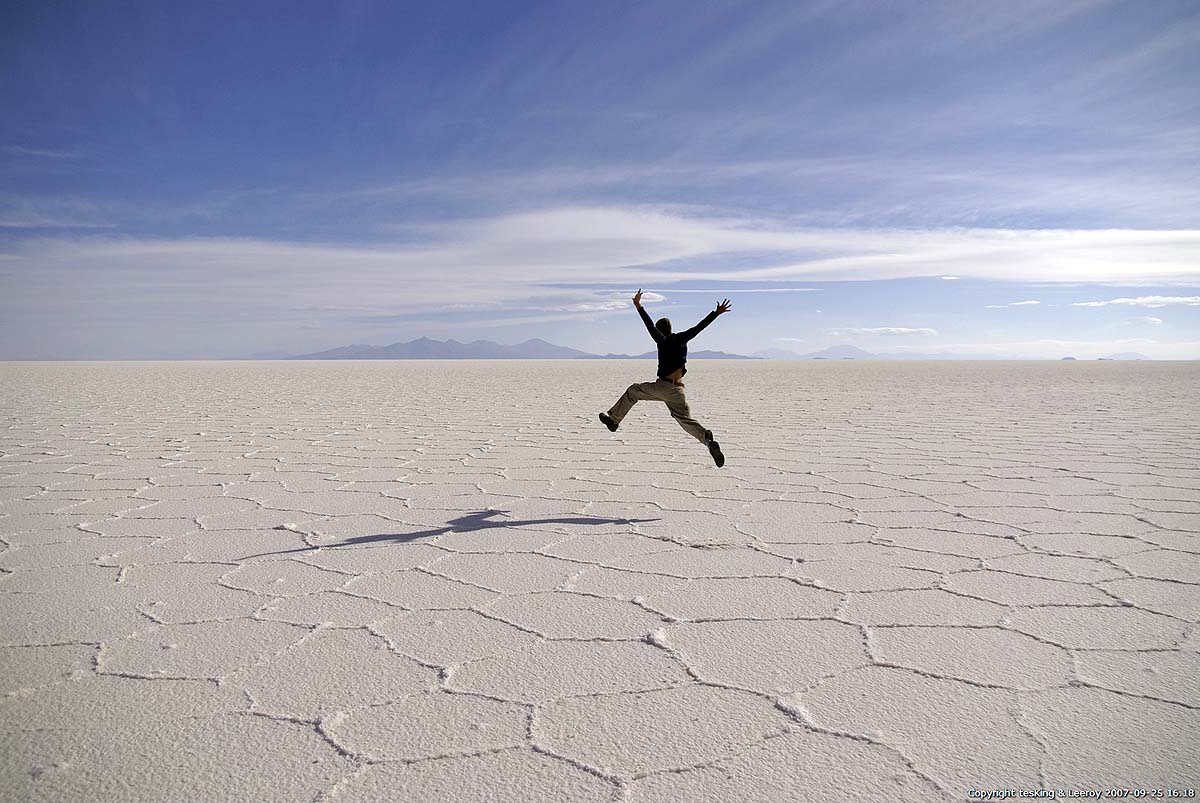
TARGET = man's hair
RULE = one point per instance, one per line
(663, 325)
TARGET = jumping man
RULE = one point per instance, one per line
(672, 354)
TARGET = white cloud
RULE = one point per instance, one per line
(1146, 319)
(44, 153)
(950, 278)
(884, 330)
(720, 290)
(548, 262)
(1085, 349)
(1144, 301)
(1012, 304)
(609, 302)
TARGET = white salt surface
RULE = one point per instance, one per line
(437, 581)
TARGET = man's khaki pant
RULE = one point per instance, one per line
(663, 390)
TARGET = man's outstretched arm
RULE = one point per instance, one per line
(721, 309)
(654, 333)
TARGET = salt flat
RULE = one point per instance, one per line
(433, 581)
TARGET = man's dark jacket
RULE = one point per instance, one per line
(672, 348)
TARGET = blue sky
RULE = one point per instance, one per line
(184, 180)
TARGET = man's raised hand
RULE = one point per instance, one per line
(723, 307)
(637, 298)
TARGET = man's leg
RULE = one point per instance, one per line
(640, 391)
(677, 404)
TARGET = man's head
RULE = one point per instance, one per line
(663, 325)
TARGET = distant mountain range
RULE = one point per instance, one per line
(537, 349)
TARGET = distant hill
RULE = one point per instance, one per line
(843, 352)
(536, 349)
(777, 354)
(426, 349)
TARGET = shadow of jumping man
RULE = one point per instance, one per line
(471, 522)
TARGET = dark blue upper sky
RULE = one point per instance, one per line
(182, 179)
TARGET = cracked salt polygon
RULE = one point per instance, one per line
(93, 507)
(26, 668)
(507, 573)
(560, 614)
(1098, 739)
(1160, 596)
(1096, 628)
(111, 702)
(71, 553)
(888, 554)
(65, 535)
(205, 649)
(517, 774)
(535, 674)
(1057, 567)
(191, 508)
(153, 528)
(981, 655)
(921, 607)
(451, 637)
(331, 608)
(896, 519)
(802, 766)
(178, 593)
(593, 548)
(892, 504)
(623, 583)
(84, 579)
(1016, 589)
(256, 519)
(1163, 564)
(450, 724)
(696, 563)
(228, 546)
(1084, 545)
(372, 557)
(1171, 675)
(511, 537)
(741, 598)
(56, 619)
(1095, 523)
(951, 543)
(773, 657)
(638, 732)
(963, 736)
(863, 575)
(28, 522)
(283, 578)
(784, 521)
(331, 670)
(199, 759)
(418, 590)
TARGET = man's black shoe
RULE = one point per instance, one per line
(714, 449)
(608, 422)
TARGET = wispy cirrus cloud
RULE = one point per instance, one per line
(1012, 304)
(741, 290)
(42, 153)
(1147, 320)
(564, 260)
(1144, 301)
(883, 330)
